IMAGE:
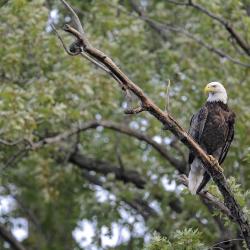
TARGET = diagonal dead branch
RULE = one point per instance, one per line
(175, 128)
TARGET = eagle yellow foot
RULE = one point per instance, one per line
(215, 163)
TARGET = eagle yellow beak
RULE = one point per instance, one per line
(208, 89)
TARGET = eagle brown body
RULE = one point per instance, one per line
(212, 127)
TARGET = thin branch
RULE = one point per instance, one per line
(9, 237)
(11, 143)
(105, 168)
(224, 241)
(132, 111)
(209, 47)
(243, 44)
(74, 16)
(86, 56)
(160, 28)
(99, 65)
(178, 3)
(62, 42)
(167, 105)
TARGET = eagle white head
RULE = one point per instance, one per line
(216, 92)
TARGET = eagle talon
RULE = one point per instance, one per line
(216, 164)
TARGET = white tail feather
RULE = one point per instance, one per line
(195, 176)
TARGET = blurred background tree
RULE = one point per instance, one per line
(113, 184)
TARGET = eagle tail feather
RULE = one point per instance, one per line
(204, 182)
(195, 176)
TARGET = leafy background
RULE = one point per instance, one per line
(44, 92)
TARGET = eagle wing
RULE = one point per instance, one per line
(197, 125)
(229, 138)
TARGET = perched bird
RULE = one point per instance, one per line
(212, 127)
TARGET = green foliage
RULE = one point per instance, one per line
(187, 239)
(44, 92)
(159, 243)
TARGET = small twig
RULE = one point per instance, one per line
(62, 42)
(225, 241)
(132, 111)
(11, 143)
(99, 65)
(86, 56)
(75, 17)
(178, 3)
(167, 109)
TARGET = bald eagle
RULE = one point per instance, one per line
(212, 127)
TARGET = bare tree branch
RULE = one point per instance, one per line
(121, 128)
(10, 143)
(134, 110)
(106, 168)
(210, 164)
(161, 28)
(243, 44)
(9, 237)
